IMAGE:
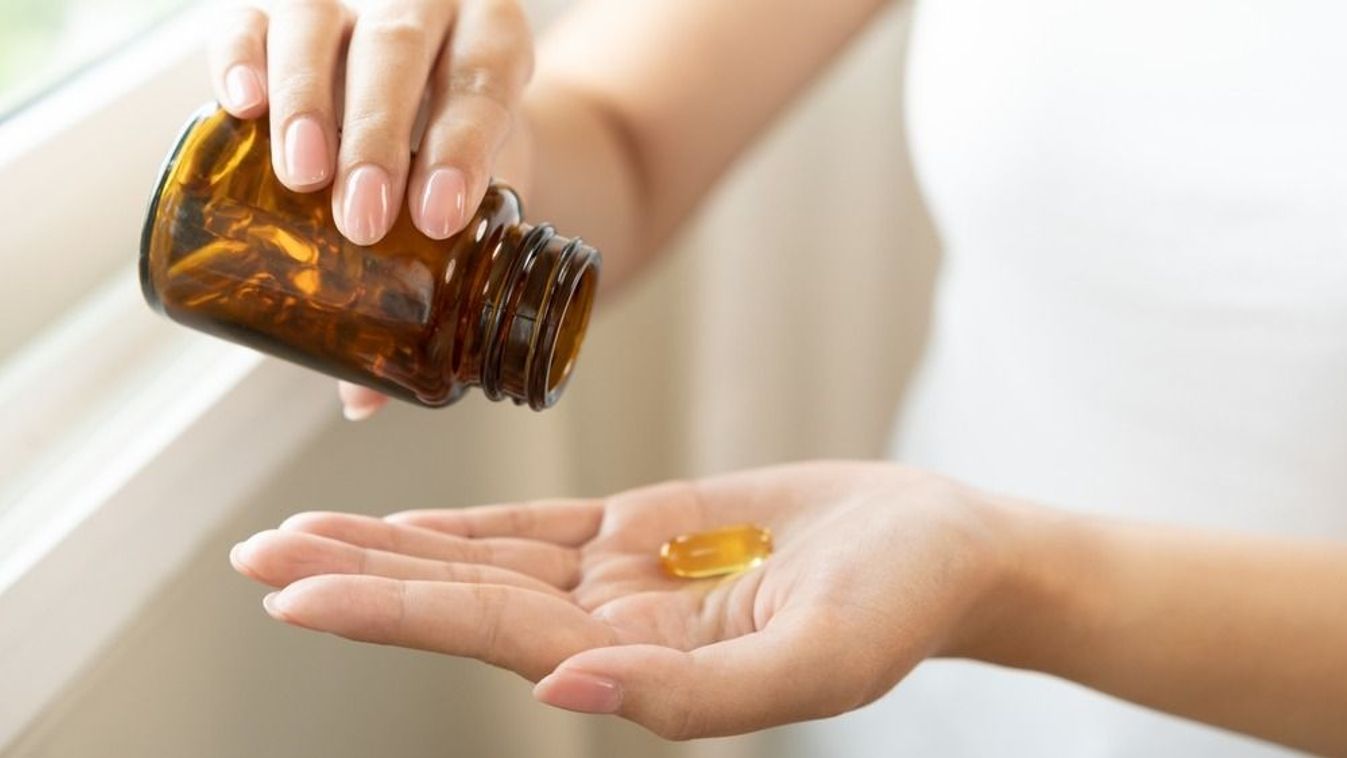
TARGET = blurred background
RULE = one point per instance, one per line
(782, 325)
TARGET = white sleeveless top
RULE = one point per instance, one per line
(1142, 310)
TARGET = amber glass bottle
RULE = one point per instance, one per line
(227, 249)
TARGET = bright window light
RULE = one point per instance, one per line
(44, 41)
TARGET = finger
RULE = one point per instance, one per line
(553, 564)
(303, 44)
(641, 520)
(564, 521)
(359, 403)
(279, 558)
(795, 669)
(475, 87)
(238, 62)
(526, 632)
(388, 61)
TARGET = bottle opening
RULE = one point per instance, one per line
(571, 333)
(535, 333)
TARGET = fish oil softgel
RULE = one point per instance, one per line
(726, 550)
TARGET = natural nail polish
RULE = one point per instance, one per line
(243, 88)
(358, 403)
(306, 153)
(355, 412)
(365, 204)
(580, 691)
(271, 602)
(443, 202)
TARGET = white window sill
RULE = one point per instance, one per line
(159, 436)
(126, 439)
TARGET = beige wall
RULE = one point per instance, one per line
(782, 328)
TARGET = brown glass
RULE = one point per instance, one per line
(228, 250)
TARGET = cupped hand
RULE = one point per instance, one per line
(343, 89)
(876, 567)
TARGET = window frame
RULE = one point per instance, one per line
(128, 440)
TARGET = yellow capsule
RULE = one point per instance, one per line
(715, 552)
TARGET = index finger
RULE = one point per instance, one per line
(493, 623)
(238, 61)
(570, 521)
(475, 87)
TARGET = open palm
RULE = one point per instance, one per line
(571, 592)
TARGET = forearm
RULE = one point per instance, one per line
(582, 176)
(1243, 632)
(638, 108)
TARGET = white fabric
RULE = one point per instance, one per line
(1142, 311)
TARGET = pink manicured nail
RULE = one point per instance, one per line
(443, 202)
(271, 603)
(243, 552)
(580, 691)
(364, 207)
(243, 88)
(306, 156)
(358, 403)
(355, 412)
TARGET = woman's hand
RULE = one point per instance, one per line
(343, 90)
(876, 567)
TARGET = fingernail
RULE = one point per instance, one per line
(443, 202)
(356, 412)
(306, 155)
(243, 551)
(365, 204)
(243, 88)
(271, 602)
(580, 691)
(358, 403)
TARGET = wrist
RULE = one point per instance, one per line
(1037, 598)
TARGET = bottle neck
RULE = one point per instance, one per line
(534, 315)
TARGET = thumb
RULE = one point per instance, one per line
(795, 669)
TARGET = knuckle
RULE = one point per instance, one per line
(512, 35)
(677, 713)
(299, 90)
(467, 573)
(480, 552)
(476, 136)
(366, 127)
(395, 540)
(678, 724)
(397, 626)
(491, 611)
(565, 571)
(237, 43)
(521, 521)
(240, 21)
(484, 81)
(403, 32)
(308, 521)
(249, 18)
(307, 6)
(459, 524)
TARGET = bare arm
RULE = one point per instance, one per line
(876, 568)
(637, 108)
(1243, 632)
